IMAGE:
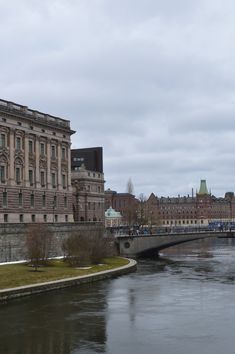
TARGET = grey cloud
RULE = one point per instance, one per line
(150, 81)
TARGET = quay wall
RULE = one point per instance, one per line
(13, 238)
(13, 293)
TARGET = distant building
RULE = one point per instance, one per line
(113, 218)
(200, 209)
(35, 166)
(88, 185)
(125, 203)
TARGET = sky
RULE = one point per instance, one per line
(151, 81)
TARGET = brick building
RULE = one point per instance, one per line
(88, 184)
(125, 203)
(35, 166)
(200, 209)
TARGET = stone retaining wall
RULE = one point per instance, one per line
(64, 283)
(12, 238)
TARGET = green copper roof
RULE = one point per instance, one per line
(111, 213)
(203, 188)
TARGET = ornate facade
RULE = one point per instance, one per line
(35, 166)
(88, 195)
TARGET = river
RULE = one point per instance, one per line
(181, 303)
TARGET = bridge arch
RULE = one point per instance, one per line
(134, 246)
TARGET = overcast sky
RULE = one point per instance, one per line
(151, 81)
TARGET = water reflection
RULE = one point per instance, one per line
(58, 322)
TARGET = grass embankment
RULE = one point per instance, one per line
(14, 275)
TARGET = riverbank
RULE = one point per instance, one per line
(90, 275)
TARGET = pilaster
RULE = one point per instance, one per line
(49, 164)
(12, 158)
(37, 158)
(59, 166)
(26, 160)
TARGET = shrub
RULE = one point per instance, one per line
(87, 247)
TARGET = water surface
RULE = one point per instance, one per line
(182, 303)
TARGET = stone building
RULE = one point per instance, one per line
(35, 166)
(88, 184)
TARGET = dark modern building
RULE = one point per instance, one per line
(91, 158)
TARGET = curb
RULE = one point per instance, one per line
(26, 290)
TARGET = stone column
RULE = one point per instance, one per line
(59, 165)
(49, 164)
(12, 158)
(26, 160)
(69, 168)
(37, 158)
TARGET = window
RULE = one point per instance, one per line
(55, 202)
(20, 199)
(63, 153)
(79, 159)
(4, 199)
(44, 200)
(21, 218)
(42, 175)
(53, 152)
(66, 218)
(30, 146)
(2, 174)
(33, 218)
(17, 172)
(42, 149)
(45, 218)
(18, 143)
(65, 202)
(2, 140)
(56, 218)
(64, 181)
(53, 179)
(31, 177)
(32, 200)
(5, 217)
(19, 123)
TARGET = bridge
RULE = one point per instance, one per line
(147, 245)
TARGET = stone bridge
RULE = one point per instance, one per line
(147, 245)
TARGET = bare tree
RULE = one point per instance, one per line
(38, 243)
(142, 210)
(130, 187)
(87, 247)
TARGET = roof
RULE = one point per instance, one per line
(203, 188)
(111, 213)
